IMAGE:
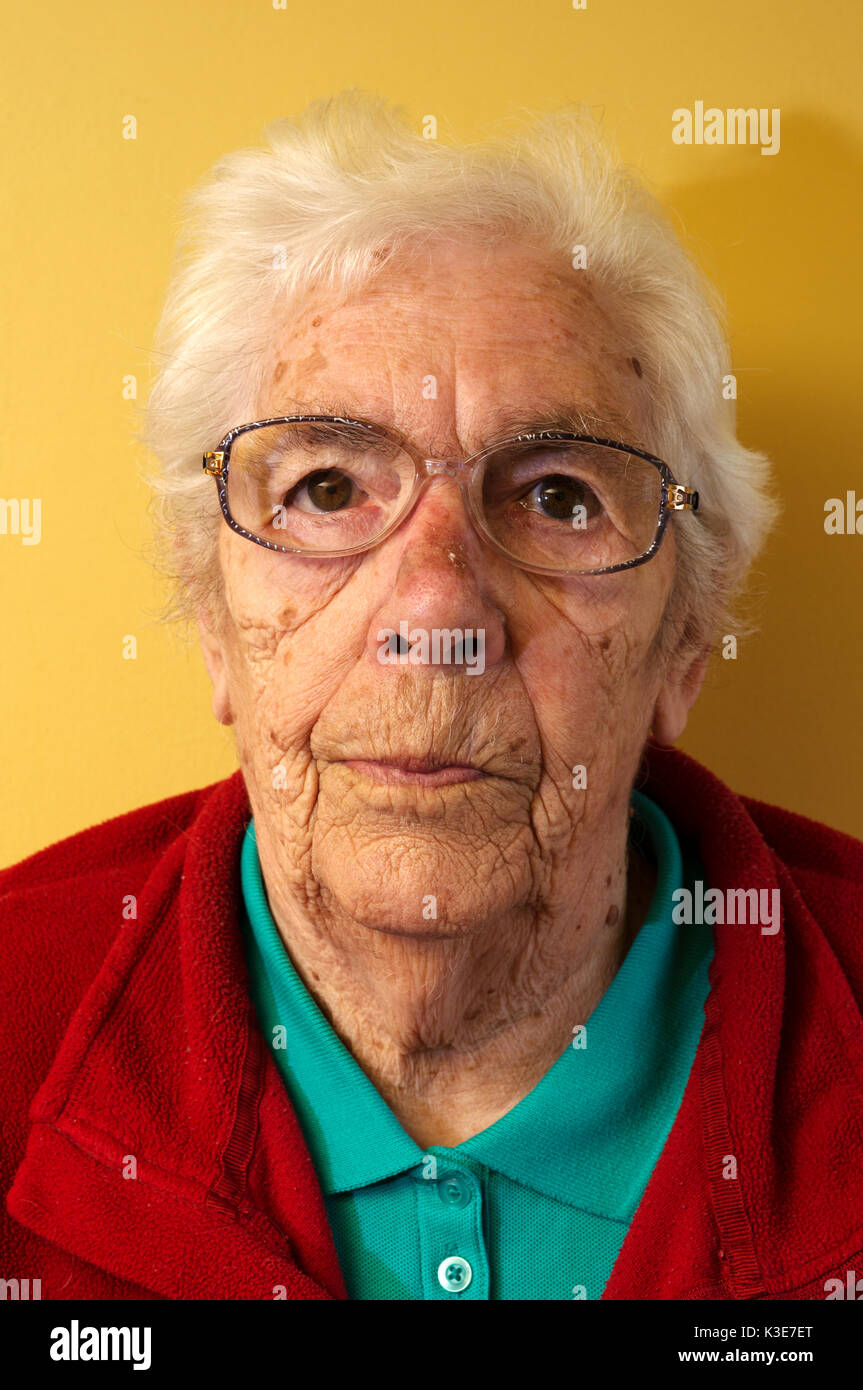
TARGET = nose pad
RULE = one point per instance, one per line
(437, 467)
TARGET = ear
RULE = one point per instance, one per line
(683, 683)
(214, 660)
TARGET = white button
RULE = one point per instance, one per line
(454, 1274)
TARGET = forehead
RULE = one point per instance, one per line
(464, 338)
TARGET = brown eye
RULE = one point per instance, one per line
(325, 491)
(558, 496)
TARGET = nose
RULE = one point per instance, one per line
(441, 616)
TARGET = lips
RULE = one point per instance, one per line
(407, 771)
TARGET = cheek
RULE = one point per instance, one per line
(276, 603)
(282, 663)
(268, 592)
(590, 670)
(575, 674)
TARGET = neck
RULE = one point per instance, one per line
(453, 1031)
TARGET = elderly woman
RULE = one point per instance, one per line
(465, 985)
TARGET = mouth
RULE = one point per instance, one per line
(418, 772)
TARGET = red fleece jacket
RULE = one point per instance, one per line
(161, 1157)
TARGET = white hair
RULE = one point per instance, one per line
(330, 198)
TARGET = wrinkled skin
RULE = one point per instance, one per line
(454, 1018)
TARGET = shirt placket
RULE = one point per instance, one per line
(453, 1254)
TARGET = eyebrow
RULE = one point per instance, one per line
(558, 418)
(563, 419)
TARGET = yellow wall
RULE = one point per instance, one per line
(87, 228)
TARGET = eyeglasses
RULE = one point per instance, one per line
(554, 503)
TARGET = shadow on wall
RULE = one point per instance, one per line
(780, 237)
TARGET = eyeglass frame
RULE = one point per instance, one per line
(674, 496)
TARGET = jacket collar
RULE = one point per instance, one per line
(777, 1086)
(155, 1141)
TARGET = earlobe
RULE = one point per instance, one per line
(681, 689)
(214, 660)
(221, 701)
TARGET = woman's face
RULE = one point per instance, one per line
(571, 675)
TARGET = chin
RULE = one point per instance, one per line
(423, 899)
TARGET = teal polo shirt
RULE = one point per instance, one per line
(536, 1206)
